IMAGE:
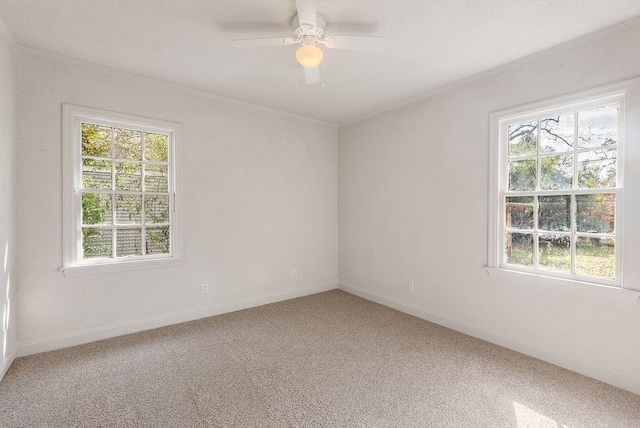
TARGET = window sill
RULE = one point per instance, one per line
(569, 285)
(121, 266)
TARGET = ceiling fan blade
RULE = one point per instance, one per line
(306, 11)
(257, 43)
(312, 75)
(356, 43)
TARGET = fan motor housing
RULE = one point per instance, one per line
(302, 30)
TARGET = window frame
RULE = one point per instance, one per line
(73, 116)
(498, 186)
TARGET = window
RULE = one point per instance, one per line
(558, 188)
(120, 188)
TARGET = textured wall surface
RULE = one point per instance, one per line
(413, 206)
(260, 191)
(7, 201)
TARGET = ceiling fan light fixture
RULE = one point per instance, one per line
(309, 56)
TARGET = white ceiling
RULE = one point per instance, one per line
(430, 43)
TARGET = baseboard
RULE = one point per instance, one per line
(615, 377)
(93, 335)
(6, 363)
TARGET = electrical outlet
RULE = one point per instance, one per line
(205, 289)
(294, 274)
(411, 286)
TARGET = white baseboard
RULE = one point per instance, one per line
(93, 335)
(6, 363)
(624, 380)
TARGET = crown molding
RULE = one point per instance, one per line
(175, 86)
(501, 68)
(428, 94)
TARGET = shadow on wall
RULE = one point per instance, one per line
(7, 303)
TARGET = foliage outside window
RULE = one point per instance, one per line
(123, 196)
(561, 193)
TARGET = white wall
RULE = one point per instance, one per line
(7, 205)
(260, 192)
(260, 200)
(413, 186)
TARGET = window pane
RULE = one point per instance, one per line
(156, 178)
(596, 257)
(128, 176)
(554, 252)
(554, 213)
(157, 240)
(519, 213)
(156, 209)
(557, 133)
(96, 242)
(128, 242)
(519, 249)
(598, 127)
(522, 175)
(156, 147)
(556, 172)
(596, 213)
(128, 209)
(96, 140)
(597, 169)
(96, 174)
(96, 208)
(128, 144)
(523, 138)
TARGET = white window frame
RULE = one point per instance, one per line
(499, 122)
(72, 118)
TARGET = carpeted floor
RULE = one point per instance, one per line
(328, 360)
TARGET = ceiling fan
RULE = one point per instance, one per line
(308, 31)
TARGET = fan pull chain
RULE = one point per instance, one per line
(295, 77)
(323, 84)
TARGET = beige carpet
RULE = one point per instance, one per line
(328, 360)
